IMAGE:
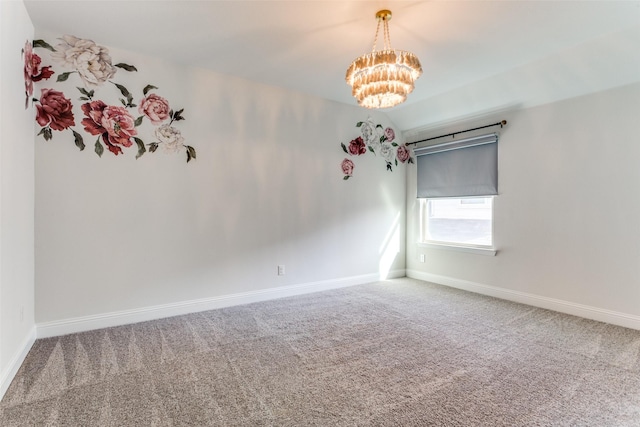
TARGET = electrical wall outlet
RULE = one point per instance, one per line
(421, 257)
(281, 270)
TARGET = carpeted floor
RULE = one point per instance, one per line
(393, 353)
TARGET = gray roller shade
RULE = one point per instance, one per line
(464, 168)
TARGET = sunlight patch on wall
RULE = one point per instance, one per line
(389, 249)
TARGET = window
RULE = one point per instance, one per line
(456, 182)
(457, 221)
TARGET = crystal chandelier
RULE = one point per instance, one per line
(383, 78)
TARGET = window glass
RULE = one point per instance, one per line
(464, 221)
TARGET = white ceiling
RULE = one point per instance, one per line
(307, 45)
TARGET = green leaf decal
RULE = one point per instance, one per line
(141, 149)
(346, 177)
(383, 138)
(46, 133)
(44, 44)
(378, 126)
(147, 88)
(78, 140)
(395, 144)
(126, 67)
(410, 160)
(138, 121)
(123, 90)
(372, 150)
(99, 149)
(359, 124)
(344, 147)
(88, 94)
(178, 115)
(64, 76)
(396, 162)
(191, 153)
(153, 147)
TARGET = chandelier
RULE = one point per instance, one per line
(383, 78)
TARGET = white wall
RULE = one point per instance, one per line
(16, 195)
(599, 64)
(566, 219)
(116, 233)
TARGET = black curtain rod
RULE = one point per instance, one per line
(502, 123)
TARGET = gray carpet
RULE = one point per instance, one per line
(393, 353)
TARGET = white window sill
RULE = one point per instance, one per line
(478, 250)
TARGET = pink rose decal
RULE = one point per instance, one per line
(155, 107)
(54, 110)
(403, 153)
(347, 168)
(114, 123)
(389, 134)
(32, 70)
(357, 147)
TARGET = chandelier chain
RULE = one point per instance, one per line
(375, 39)
(387, 37)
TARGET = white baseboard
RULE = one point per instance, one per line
(16, 361)
(588, 312)
(124, 317)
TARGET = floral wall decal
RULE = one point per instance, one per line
(378, 140)
(116, 127)
(347, 168)
(32, 70)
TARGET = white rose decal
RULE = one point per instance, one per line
(170, 138)
(387, 152)
(92, 62)
(368, 131)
